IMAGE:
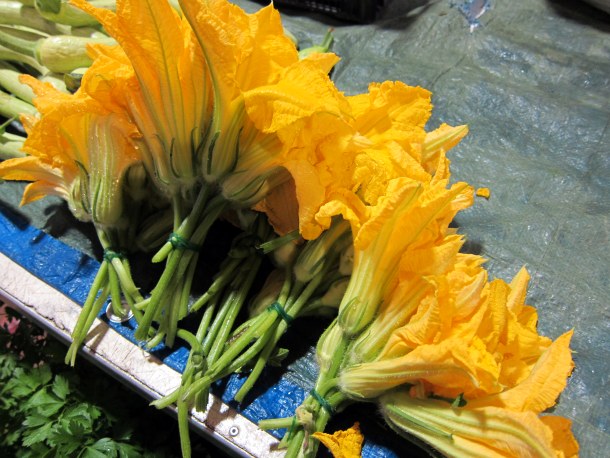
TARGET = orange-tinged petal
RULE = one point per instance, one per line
(281, 207)
(168, 96)
(243, 50)
(29, 168)
(564, 442)
(39, 189)
(47, 96)
(343, 444)
(540, 389)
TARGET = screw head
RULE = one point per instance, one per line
(233, 431)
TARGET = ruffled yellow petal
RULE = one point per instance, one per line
(343, 444)
(244, 51)
(540, 389)
(304, 90)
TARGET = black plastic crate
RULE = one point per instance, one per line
(363, 11)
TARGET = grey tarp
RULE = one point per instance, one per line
(533, 83)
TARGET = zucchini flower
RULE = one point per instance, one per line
(476, 345)
(161, 69)
(479, 431)
(410, 215)
(81, 151)
(471, 372)
(77, 150)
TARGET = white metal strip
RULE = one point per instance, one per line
(128, 362)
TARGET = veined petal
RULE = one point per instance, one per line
(466, 432)
(303, 90)
(243, 50)
(39, 189)
(541, 388)
(439, 141)
(29, 168)
(169, 96)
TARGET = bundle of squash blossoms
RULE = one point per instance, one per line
(172, 116)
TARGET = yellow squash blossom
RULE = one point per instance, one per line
(479, 431)
(77, 150)
(82, 151)
(476, 344)
(421, 271)
(168, 93)
(307, 114)
(243, 52)
(410, 215)
(351, 150)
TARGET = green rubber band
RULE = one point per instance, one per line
(109, 255)
(180, 243)
(323, 402)
(277, 307)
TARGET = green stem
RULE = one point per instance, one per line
(9, 80)
(85, 320)
(236, 298)
(7, 54)
(260, 364)
(115, 293)
(184, 227)
(225, 276)
(167, 277)
(183, 428)
(276, 423)
(19, 40)
(16, 13)
(12, 107)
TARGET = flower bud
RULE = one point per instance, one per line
(312, 258)
(327, 346)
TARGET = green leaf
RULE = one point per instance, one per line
(44, 403)
(76, 428)
(128, 451)
(61, 387)
(92, 453)
(11, 437)
(42, 374)
(105, 445)
(37, 435)
(34, 421)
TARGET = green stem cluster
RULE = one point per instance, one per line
(113, 280)
(315, 411)
(168, 302)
